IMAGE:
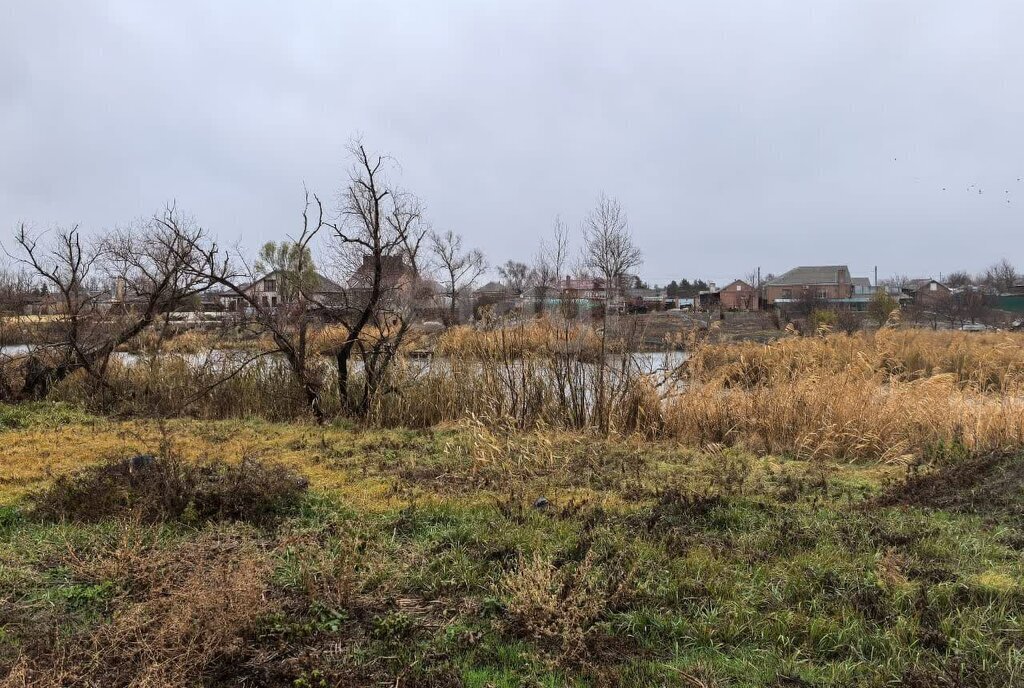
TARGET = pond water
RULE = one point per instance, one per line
(647, 363)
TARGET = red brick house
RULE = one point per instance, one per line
(818, 282)
(739, 296)
(926, 291)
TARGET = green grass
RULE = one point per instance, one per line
(771, 572)
(41, 414)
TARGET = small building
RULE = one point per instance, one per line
(862, 286)
(493, 292)
(644, 299)
(924, 291)
(738, 295)
(584, 288)
(708, 298)
(495, 297)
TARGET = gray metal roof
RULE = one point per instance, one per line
(492, 287)
(811, 274)
(917, 284)
(864, 282)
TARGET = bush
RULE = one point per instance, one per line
(161, 489)
(555, 604)
(821, 320)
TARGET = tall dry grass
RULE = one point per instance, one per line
(543, 336)
(885, 396)
(990, 362)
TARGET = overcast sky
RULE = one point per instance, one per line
(735, 134)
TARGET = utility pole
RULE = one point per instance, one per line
(876, 277)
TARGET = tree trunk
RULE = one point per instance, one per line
(343, 356)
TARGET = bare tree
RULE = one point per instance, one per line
(1001, 276)
(16, 291)
(962, 306)
(957, 279)
(152, 265)
(608, 246)
(899, 282)
(290, 321)
(550, 263)
(516, 275)
(460, 268)
(377, 243)
(609, 250)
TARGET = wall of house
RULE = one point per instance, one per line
(843, 290)
(266, 296)
(931, 293)
(743, 298)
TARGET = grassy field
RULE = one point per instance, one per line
(422, 558)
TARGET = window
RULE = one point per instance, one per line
(264, 301)
(273, 301)
(933, 287)
(739, 287)
(787, 293)
(270, 285)
(821, 294)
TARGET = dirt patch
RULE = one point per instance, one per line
(984, 485)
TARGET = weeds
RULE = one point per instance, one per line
(890, 396)
(167, 488)
(555, 604)
(179, 614)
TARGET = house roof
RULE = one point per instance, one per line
(745, 284)
(583, 283)
(393, 269)
(327, 286)
(811, 274)
(493, 287)
(920, 283)
(539, 291)
(862, 282)
(322, 285)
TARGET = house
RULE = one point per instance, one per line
(862, 286)
(492, 292)
(738, 295)
(585, 287)
(272, 290)
(810, 282)
(399, 283)
(394, 270)
(925, 291)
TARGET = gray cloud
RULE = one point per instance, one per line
(735, 134)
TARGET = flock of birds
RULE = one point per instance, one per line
(974, 188)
